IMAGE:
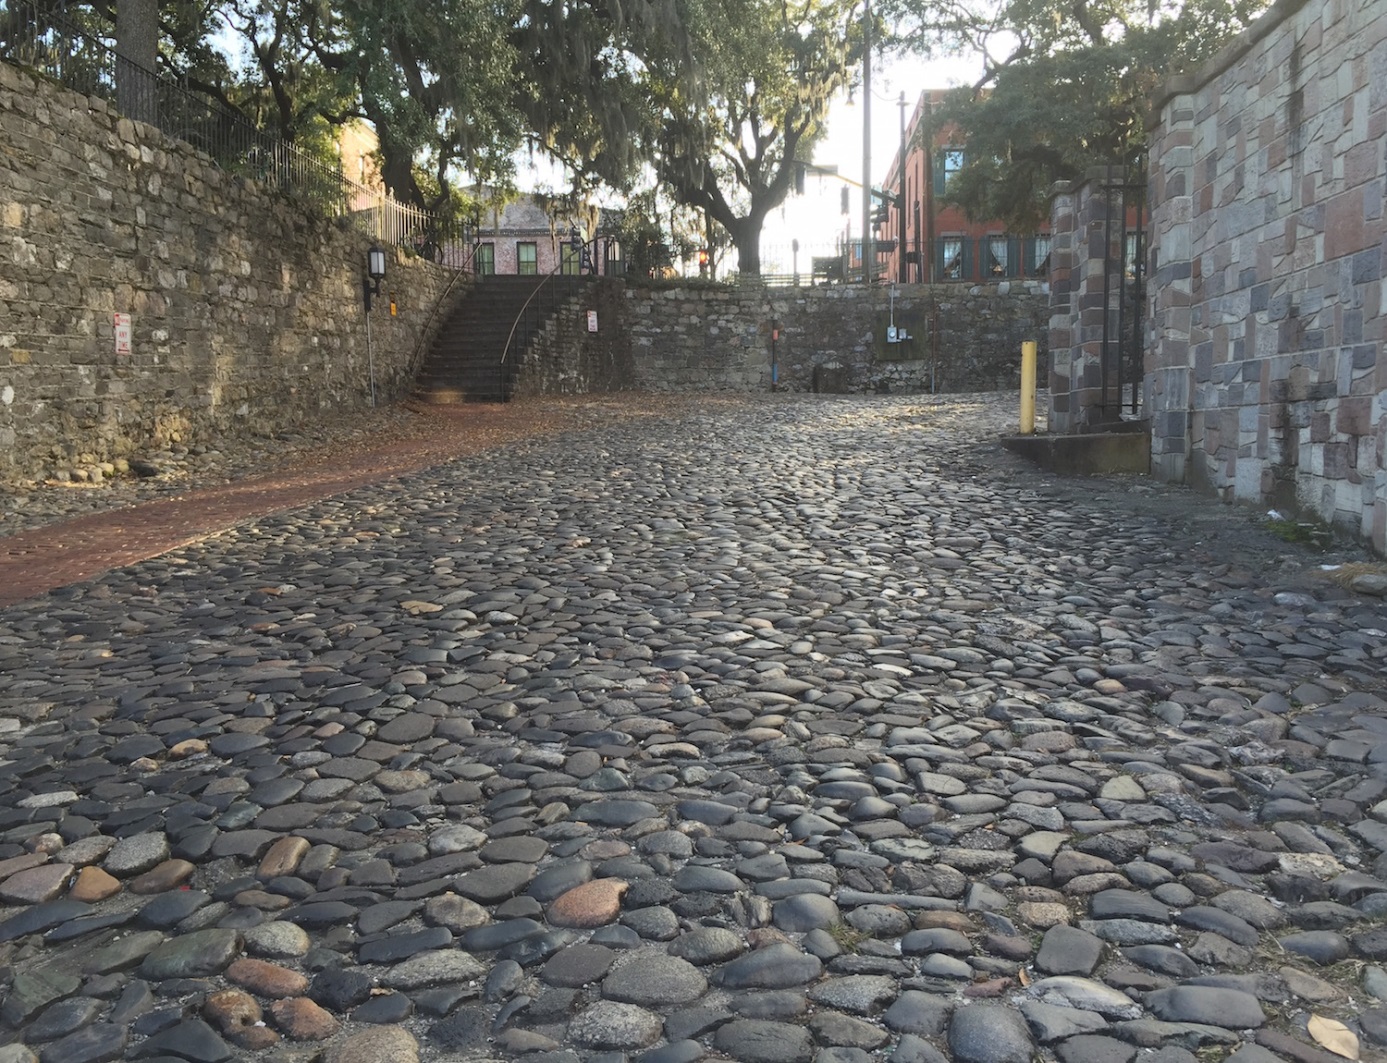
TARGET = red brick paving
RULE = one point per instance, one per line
(39, 560)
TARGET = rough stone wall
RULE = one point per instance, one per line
(570, 358)
(833, 338)
(1265, 370)
(245, 307)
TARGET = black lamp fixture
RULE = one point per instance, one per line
(375, 273)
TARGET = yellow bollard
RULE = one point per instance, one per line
(1028, 388)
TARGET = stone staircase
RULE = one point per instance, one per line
(465, 363)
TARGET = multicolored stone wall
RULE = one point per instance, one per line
(1265, 374)
(1091, 373)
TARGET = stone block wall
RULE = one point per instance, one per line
(245, 306)
(833, 338)
(1265, 370)
(1063, 330)
(1091, 374)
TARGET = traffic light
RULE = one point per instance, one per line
(800, 170)
(847, 202)
(702, 261)
(881, 215)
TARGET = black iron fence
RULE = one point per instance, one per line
(48, 41)
(948, 259)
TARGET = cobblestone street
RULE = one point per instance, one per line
(812, 729)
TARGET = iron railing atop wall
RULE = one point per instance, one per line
(948, 260)
(48, 41)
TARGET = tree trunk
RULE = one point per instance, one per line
(746, 236)
(137, 48)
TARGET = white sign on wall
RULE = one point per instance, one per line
(592, 320)
(122, 322)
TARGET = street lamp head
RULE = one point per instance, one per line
(375, 264)
(375, 273)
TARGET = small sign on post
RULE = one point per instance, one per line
(123, 331)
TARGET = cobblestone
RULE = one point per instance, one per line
(812, 729)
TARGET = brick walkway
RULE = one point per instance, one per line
(39, 560)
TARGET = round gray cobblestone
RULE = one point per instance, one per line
(806, 717)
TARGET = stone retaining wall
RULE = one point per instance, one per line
(833, 338)
(586, 348)
(245, 307)
(1265, 373)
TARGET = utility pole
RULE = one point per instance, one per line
(867, 255)
(901, 270)
(929, 190)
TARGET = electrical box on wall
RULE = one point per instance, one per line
(897, 334)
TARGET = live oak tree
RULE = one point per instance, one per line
(1066, 85)
(713, 99)
(435, 78)
(137, 43)
(728, 145)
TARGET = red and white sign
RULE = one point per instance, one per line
(123, 330)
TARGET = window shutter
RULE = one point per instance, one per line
(1013, 257)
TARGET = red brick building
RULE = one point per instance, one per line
(526, 236)
(922, 240)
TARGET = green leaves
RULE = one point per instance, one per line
(1070, 91)
(712, 99)
(729, 150)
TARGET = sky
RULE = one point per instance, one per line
(816, 218)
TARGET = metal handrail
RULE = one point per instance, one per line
(520, 316)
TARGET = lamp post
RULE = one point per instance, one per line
(370, 285)
(867, 142)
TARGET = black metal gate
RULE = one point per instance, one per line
(1124, 290)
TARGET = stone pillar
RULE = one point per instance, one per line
(1096, 397)
(1062, 316)
(1085, 248)
(1169, 379)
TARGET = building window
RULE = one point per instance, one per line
(570, 260)
(1038, 260)
(486, 260)
(1003, 256)
(951, 264)
(527, 259)
(997, 257)
(1129, 262)
(950, 162)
